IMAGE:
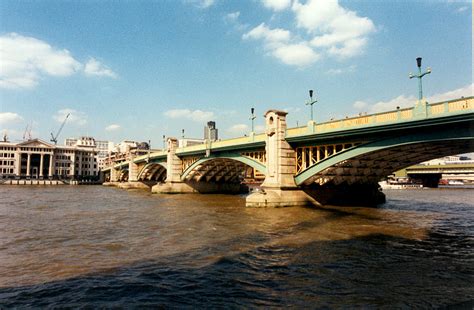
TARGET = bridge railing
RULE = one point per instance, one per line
(437, 109)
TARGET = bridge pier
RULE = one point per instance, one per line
(173, 184)
(279, 188)
(114, 175)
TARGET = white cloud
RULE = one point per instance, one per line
(75, 117)
(9, 118)
(94, 67)
(329, 30)
(276, 42)
(232, 17)
(196, 115)
(276, 5)
(271, 37)
(299, 55)
(259, 128)
(465, 91)
(113, 127)
(24, 60)
(203, 4)
(239, 129)
(341, 32)
(360, 105)
(404, 101)
(338, 71)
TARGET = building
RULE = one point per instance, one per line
(103, 148)
(210, 131)
(37, 159)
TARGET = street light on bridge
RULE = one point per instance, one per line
(252, 117)
(419, 76)
(311, 102)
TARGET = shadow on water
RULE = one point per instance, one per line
(407, 274)
(210, 252)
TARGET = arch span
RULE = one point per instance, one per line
(374, 160)
(153, 172)
(225, 167)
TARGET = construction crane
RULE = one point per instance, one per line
(27, 133)
(55, 138)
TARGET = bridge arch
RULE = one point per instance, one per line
(372, 161)
(123, 175)
(227, 167)
(153, 172)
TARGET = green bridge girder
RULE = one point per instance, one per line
(463, 135)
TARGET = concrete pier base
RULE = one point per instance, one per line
(279, 197)
(133, 185)
(173, 188)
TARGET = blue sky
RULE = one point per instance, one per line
(142, 69)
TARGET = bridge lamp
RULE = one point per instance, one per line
(252, 117)
(311, 102)
(419, 76)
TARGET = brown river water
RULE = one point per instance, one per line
(94, 246)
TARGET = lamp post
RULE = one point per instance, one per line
(164, 142)
(311, 102)
(252, 117)
(419, 76)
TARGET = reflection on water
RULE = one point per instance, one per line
(76, 246)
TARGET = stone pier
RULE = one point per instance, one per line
(279, 188)
(173, 184)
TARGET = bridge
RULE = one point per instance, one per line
(430, 175)
(336, 162)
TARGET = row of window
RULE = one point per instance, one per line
(63, 164)
(7, 162)
(7, 170)
(7, 148)
(7, 155)
(63, 157)
(35, 149)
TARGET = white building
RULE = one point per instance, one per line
(37, 159)
(103, 148)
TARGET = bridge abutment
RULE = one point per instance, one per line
(279, 188)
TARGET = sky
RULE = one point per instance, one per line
(138, 70)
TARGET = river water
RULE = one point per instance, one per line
(80, 246)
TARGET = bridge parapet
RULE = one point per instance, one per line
(438, 109)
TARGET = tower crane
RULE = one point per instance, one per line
(55, 138)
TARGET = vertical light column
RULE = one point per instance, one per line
(41, 165)
(18, 163)
(28, 165)
(50, 171)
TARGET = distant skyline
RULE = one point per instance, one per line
(138, 70)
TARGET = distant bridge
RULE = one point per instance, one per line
(336, 161)
(431, 174)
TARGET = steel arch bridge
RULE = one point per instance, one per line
(349, 151)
